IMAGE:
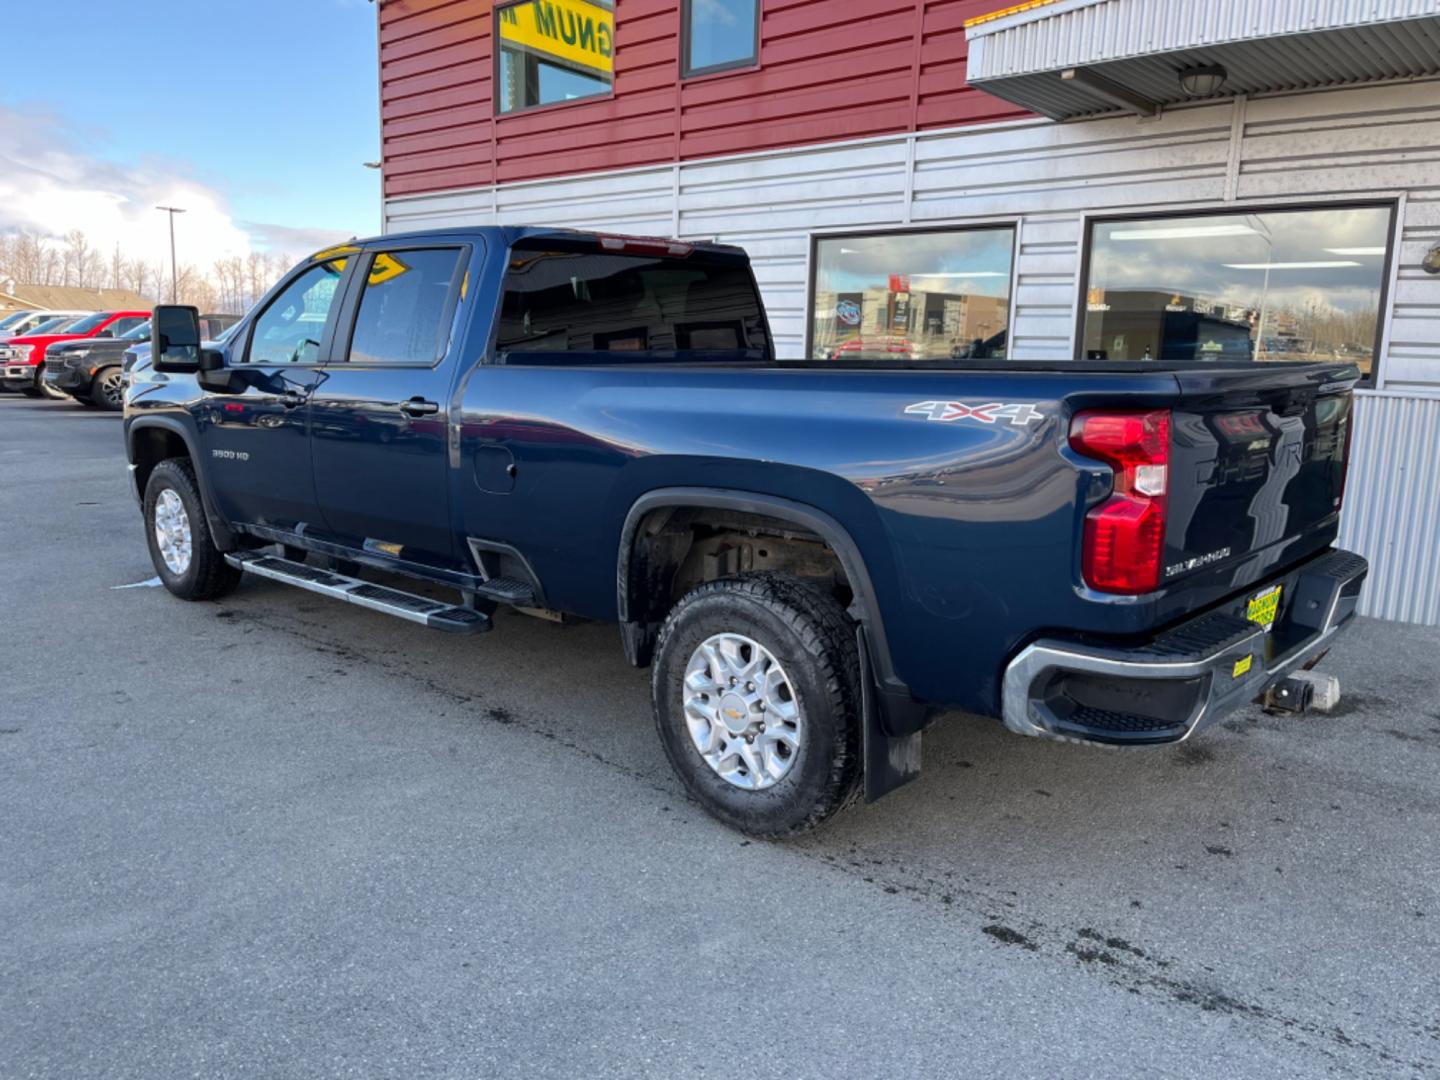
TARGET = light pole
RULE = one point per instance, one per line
(172, 211)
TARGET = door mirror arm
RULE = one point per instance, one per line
(214, 375)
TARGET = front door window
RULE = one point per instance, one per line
(290, 330)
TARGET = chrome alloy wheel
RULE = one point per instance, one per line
(741, 710)
(172, 531)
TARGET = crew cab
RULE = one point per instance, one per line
(814, 558)
(22, 357)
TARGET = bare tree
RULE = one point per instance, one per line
(50, 270)
(259, 278)
(79, 259)
(158, 277)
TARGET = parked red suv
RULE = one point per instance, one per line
(22, 358)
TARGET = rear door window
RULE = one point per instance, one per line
(570, 303)
(406, 307)
(126, 324)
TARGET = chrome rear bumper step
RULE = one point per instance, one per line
(417, 609)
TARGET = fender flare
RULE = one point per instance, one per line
(817, 521)
(893, 721)
(220, 529)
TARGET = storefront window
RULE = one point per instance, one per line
(553, 51)
(1268, 285)
(911, 296)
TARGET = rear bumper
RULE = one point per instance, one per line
(1166, 689)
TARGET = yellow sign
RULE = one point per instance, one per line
(1263, 608)
(385, 267)
(1242, 666)
(572, 33)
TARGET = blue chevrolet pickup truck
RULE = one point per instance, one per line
(814, 558)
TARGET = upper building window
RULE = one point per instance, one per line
(553, 51)
(720, 34)
(912, 296)
(1302, 284)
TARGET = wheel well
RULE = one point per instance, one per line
(152, 445)
(677, 548)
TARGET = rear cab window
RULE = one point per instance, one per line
(612, 301)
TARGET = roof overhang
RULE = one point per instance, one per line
(1070, 58)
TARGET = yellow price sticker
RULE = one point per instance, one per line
(1242, 666)
(1263, 608)
(386, 267)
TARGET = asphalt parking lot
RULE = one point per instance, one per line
(277, 836)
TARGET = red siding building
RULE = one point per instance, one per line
(826, 71)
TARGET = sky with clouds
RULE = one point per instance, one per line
(254, 115)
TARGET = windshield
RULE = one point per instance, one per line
(13, 318)
(50, 326)
(139, 333)
(226, 334)
(89, 323)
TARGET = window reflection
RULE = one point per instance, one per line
(553, 51)
(1269, 285)
(912, 296)
(720, 34)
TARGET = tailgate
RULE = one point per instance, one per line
(1258, 463)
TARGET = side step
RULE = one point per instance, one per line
(417, 609)
(508, 590)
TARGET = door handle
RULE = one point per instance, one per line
(291, 398)
(419, 407)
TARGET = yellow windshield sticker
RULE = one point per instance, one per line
(1242, 666)
(571, 33)
(386, 267)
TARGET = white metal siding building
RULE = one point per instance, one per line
(1367, 129)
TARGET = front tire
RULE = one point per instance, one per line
(44, 389)
(756, 689)
(181, 547)
(107, 389)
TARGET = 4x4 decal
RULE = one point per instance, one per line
(947, 412)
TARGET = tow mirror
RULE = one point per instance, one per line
(175, 339)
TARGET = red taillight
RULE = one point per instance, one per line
(1125, 535)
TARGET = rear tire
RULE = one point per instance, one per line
(107, 389)
(798, 759)
(178, 533)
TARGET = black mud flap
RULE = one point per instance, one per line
(890, 761)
